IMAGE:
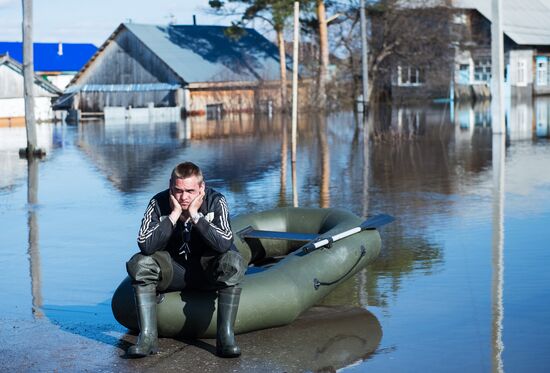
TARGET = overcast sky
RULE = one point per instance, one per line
(79, 21)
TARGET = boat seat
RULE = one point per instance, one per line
(250, 232)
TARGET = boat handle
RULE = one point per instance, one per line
(317, 284)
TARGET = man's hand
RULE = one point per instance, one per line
(176, 210)
(196, 203)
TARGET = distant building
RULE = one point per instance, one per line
(526, 44)
(465, 68)
(194, 70)
(12, 104)
(57, 62)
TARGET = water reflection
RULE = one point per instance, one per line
(324, 339)
(33, 241)
(130, 155)
(127, 153)
(499, 149)
(284, 160)
(367, 125)
(542, 115)
(324, 194)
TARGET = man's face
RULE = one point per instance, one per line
(185, 190)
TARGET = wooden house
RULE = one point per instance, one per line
(12, 103)
(526, 44)
(465, 66)
(196, 70)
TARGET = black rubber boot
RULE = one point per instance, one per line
(146, 302)
(228, 303)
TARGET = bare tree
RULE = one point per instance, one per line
(275, 13)
(415, 34)
(323, 51)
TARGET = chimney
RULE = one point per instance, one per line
(60, 49)
(194, 20)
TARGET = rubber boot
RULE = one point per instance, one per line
(228, 303)
(146, 302)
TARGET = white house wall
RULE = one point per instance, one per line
(15, 107)
(60, 81)
(11, 84)
(521, 68)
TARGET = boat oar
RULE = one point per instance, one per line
(371, 223)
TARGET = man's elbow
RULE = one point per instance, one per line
(225, 246)
(145, 249)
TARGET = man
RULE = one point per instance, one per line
(186, 241)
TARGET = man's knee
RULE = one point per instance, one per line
(229, 268)
(150, 269)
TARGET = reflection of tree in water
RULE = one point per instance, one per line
(417, 163)
(402, 255)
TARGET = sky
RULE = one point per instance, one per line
(78, 21)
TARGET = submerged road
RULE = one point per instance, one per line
(324, 338)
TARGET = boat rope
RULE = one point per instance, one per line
(317, 283)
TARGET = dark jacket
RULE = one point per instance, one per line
(188, 244)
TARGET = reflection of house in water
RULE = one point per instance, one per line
(129, 155)
(542, 116)
(469, 115)
(13, 169)
(135, 155)
(196, 70)
(519, 121)
(525, 118)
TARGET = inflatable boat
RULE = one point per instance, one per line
(296, 257)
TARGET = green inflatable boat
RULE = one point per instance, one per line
(296, 257)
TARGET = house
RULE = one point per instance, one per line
(56, 62)
(12, 102)
(468, 27)
(526, 45)
(164, 70)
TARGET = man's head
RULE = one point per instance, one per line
(186, 182)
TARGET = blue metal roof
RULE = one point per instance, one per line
(47, 57)
(206, 54)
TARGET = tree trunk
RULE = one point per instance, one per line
(282, 62)
(323, 51)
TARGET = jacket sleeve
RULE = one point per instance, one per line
(154, 232)
(217, 233)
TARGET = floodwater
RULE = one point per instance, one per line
(462, 283)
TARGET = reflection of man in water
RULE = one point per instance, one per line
(186, 242)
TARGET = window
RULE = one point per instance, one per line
(542, 71)
(482, 70)
(408, 75)
(214, 111)
(464, 73)
(460, 18)
(522, 73)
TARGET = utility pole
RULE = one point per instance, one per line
(497, 61)
(28, 81)
(364, 57)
